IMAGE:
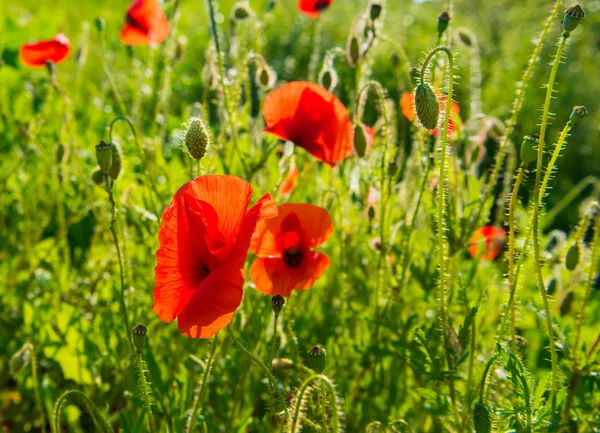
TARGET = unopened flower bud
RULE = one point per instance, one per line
(443, 21)
(98, 177)
(198, 137)
(317, 359)
(551, 287)
(328, 78)
(567, 303)
(99, 24)
(360, 140)
(277, 302)
(427, 106)
(572, 257)
(266, 77)
(481, 418)
(139, 336)
(116, 165)
(180, 47)
(465, 37)
(104, 156)
(241, 11)
(353, 50)
(579, 112)
(528, 149)
(573, 16)
(375, 9)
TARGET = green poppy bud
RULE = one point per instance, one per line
(317, 359)
(277, 302)
(572, 257)
(360, 140)
(266, 77)
(482, 421)
(328, 78)
(139, 336)
(241, 11)
(579, 112)
(116, 165)
(375, 9)
(98, 177)
(528, 149)
(104, 156)
(551, 287)
(197, 138)
(443, 21)
(353, 50)
(573, 16)
(427, 106)
(567, 303)
(371, 214)
(99, 24)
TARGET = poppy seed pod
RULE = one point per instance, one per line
(573, 16)
(572, 257)
(139, 336)
(116, 165)
(360, 140)
(353, 50)
(567, 303)
(375, 9)
(104, 156)
(427, 106)
(579, 112)
(482, 421)
(317, 359)
(277, 302)
(443, 21)
(197, 138)
(528, 149)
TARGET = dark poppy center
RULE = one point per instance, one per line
(292, 257)
(321, 4)
(133, 22)
(206, 269)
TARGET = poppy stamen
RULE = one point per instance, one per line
(292, 257)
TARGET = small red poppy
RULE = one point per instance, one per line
(408, 109)
(492, 237)
(37, 54)
(204, 238)
(311, 117)
(313, 8)
(283, 245)
(146, 24)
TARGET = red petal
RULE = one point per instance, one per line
(408, 105)
(312, 8)
(146, 24)
(36, 55)
(312, 117)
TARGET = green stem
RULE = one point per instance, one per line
(296, 421)
(484, 376)
(536, 215)
(264, 368)
(96, 415)
(202, 385)
(290, 331)
(145, 390)
(36, 386)
(316, 50)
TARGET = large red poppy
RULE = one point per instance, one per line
(37, 54)
(283, 245)
(204, 238)
(408, 109)
(146, 24)
(311, 117)
(487, 242)
(313, 8)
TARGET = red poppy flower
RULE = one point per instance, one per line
(489, 236)
(146, 24)
(408, 109)
(37, 54)
(311, 117)
(204, 238)
(283, 245)
(287, 186)
(313, 8)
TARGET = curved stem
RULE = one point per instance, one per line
(295, 423)
(536, 215)
(145, 391)
(266, 370)
(200, 390)
(97, 416)
(484, 376)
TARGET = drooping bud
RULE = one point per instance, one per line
(317, 359)
(567, 303)
(528, 149)
(375, 9)
(427, 106)
(139, 336)
(116, 165)
(579, 112)
(551, 287)
(482, 421)
(241, 11)
(464, 37)
(180, 47)
(443, 21)
(328, 77)
(104, 156)
(573, 16)
(360, 140)
(266, 77)
(572, 257)
(197, 138)
(277, 303)
(353, 50)
(98, 177)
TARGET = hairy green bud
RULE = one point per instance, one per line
(360, 140)
(482, 421)
(572, 257)
(551, 287)
(116, 166)
(567, 303)
(198, 137)
(104, 156)
(353, 50)
(98, 177)
(528, 149)
(241, 11)
(427, 106)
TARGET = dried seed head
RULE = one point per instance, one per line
(104, 156)
(197, 138)
(567, 303)
(572, 257)
(241, 11)
(443, 21)
(360, 140)
(528, 149)
(481, 418)
(427, 106)
(277, 303)
(139, 336)
(317, 359)
(573, 16)
(353, 50)
(375, 9)
(579, 112)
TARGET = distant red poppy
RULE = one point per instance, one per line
(313, 8)
(283, 245)
(146, 24)
(491, 238)
(37, 54)
(204, 238)
(408, 109)
(311, 117)
(287, 186)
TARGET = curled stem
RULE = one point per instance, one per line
(295, 424)
(98, 418)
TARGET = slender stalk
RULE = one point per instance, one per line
(316, 50)
(202, 385)
(145, 390)
(96, 415)
(36, 387)
(536, 214)
(290, 331)
(264, 368)
(295, 424)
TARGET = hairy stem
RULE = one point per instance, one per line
(144, 386)
(98, 418)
